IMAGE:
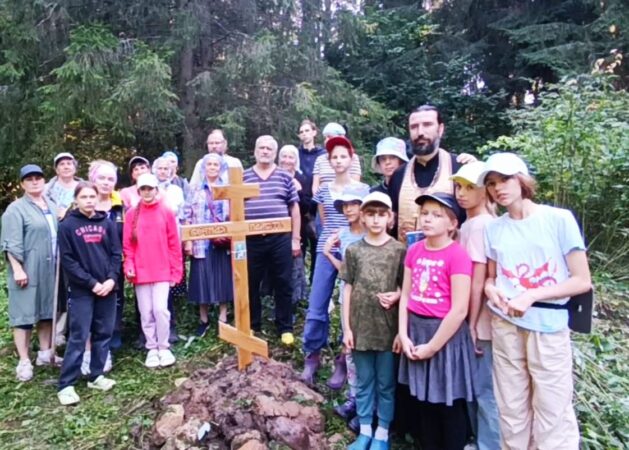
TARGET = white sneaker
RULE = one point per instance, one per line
(166, 358)
(152, 359)
(101, 383)
(47, 358)
(85, 365)
(68, 396)
(24, 370)
(108, 363)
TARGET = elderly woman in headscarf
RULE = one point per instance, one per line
(29, 242)
(210, 267)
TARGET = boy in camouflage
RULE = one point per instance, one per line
(373, 270)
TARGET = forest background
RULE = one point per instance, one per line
(113, 78)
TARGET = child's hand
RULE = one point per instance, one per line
(389, 299)
(108, 286)
(474, 335)
(517, 306)
(407, 347)
(423, 351)
(497, 298)
(331, 242)
(98, 289)
(348, 340)
(397, 344)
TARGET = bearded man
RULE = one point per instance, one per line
(427, 172)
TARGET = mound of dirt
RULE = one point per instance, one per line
(265, 406)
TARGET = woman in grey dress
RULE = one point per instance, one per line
(29, 241)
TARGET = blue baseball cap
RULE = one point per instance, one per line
(30, 169)
(446, 200)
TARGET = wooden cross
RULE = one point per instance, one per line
(238, 229)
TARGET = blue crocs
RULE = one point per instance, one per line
(377, 444)
(362, 443)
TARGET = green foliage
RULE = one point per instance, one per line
(268, 86)
(112, 84)
(601, 366)
(394, 55)
(577, 140)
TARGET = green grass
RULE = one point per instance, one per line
(31, 418)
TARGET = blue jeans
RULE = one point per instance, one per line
(375, 386)
(89, 314)
(317, 325)
(484, 412)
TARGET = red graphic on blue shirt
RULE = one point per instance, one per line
(531, 278)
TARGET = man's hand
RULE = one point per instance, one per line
(295, 246)
(466, 158)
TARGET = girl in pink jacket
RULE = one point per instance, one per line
(152, 253)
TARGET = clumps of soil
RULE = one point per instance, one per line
(265, 406)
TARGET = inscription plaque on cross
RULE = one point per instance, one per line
(237, 228)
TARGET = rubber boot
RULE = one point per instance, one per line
(338, 378)
(311, 365)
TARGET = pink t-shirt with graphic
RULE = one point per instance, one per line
(430, 277)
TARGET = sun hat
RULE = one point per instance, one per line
(505, 164)
(469, 173)
(147, 179)
(377, 197)
(389, 146)
(352, 193)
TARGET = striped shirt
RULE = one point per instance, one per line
(326, 173)
(333, 219)
(277, 193)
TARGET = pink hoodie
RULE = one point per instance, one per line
(156, 255)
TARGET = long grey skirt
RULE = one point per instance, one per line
(448, 375)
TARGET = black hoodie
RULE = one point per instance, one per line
(90, 251)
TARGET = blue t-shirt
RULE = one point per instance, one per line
(531, 253)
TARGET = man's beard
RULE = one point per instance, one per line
(425, 149)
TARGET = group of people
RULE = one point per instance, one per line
(450, 315)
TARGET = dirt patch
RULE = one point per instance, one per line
(266, 406)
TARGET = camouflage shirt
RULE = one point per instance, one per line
(372, 269)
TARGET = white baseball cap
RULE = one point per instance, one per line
(377, 197)
(63, 155)
(147, 179)
(505, 164)
(389, 146)
(469, 173)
